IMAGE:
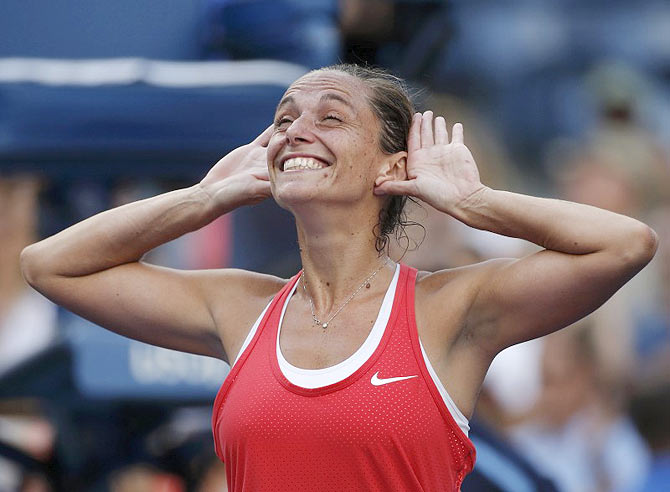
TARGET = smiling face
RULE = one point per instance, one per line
(325, 144)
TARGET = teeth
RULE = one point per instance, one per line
(299, 163)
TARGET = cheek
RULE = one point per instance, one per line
(369, 159)
(274, 146)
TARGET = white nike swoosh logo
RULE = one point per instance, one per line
(378, 382)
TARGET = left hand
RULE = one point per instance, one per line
(439, 172)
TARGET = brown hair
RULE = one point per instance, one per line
(391, 103)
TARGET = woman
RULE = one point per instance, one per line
(331, 388)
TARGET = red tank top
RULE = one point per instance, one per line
(351, 435)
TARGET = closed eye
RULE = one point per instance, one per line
(282, 122)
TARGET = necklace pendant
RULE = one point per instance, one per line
(366, 284)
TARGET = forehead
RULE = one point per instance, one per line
(339, 85)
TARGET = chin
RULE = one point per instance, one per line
(288, 195)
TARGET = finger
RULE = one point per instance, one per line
(457, 133)
(414, 139)
(261, 174)
(395, 188)
(264, 138)
(427, 129)
(441, 134)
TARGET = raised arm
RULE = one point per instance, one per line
(94, 268)
(588, 253)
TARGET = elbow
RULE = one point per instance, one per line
(29, 261)
(640, 246)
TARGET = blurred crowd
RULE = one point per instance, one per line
(564, 99)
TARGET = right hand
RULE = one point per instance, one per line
(241, 177)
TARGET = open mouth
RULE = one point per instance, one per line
(303, 164)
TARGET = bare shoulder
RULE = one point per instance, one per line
(429, 284)
(238, 282)
(236, 298)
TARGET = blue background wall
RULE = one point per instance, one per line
(163, 29)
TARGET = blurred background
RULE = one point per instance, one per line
(103, 102)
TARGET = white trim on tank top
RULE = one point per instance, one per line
(315, 378)
(455, 412)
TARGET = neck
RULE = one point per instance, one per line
(338, 254)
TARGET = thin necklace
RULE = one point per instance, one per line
(324, 324)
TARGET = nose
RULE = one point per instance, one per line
(300, 131)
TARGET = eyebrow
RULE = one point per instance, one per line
(284, 102)
(330, 96)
